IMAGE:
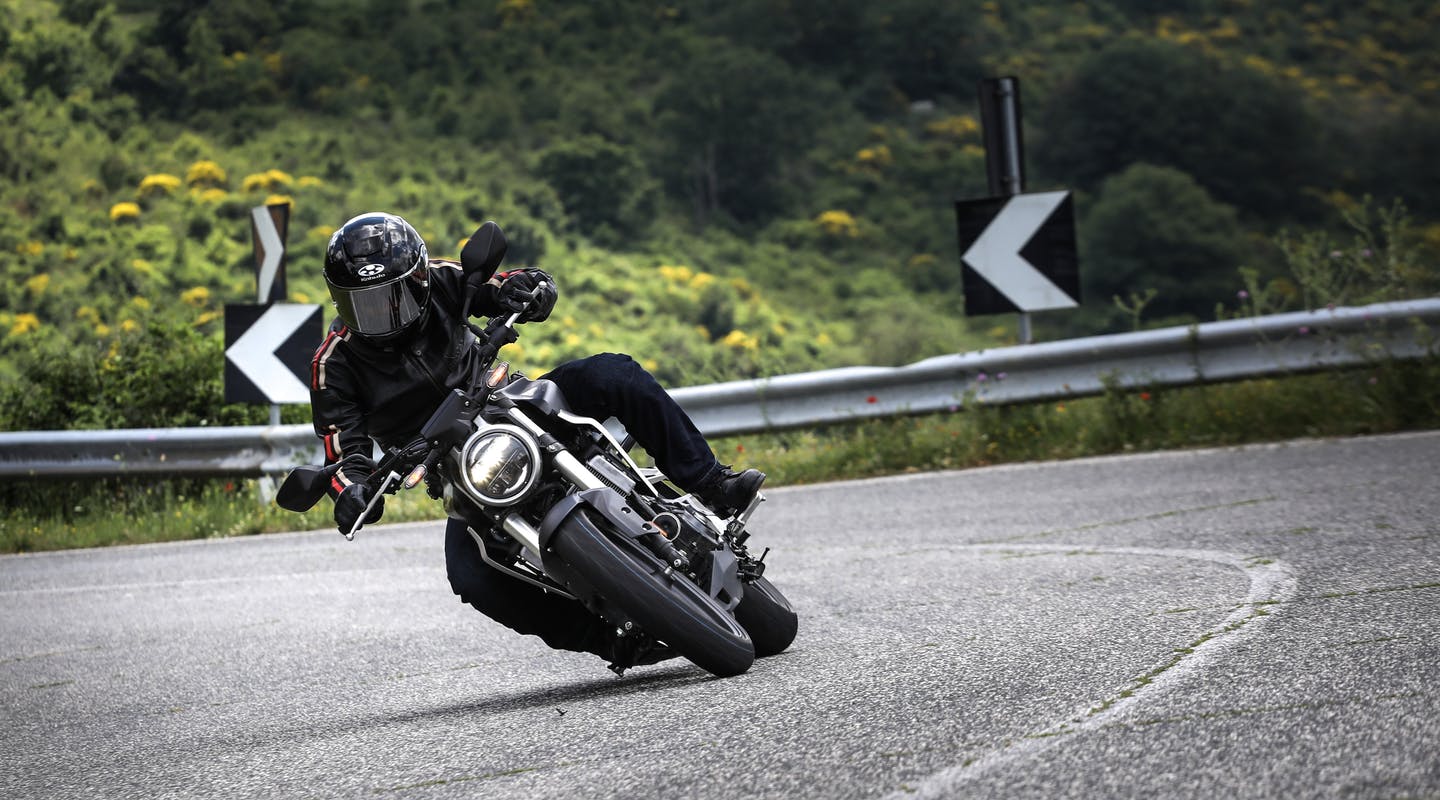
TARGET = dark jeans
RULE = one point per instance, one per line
(613, 385)
(563, 624)
(600, 386)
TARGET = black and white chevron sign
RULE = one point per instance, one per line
(1018, 253)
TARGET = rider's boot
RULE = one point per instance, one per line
(728, 492)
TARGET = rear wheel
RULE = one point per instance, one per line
(767, 616)
(667, 607)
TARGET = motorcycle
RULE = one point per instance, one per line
(555, 499)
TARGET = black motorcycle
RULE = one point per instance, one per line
(555, 499)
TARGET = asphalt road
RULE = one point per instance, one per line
(1250, 622)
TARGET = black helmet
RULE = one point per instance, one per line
(377, 269)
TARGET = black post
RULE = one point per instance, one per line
(1004, 147)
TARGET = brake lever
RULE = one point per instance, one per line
(375, 498)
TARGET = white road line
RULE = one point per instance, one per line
(1270, 582)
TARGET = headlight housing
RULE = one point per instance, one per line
(499, 465)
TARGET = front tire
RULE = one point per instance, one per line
(668, 608)
(767, 616)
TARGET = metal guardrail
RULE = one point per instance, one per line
(1209, 352)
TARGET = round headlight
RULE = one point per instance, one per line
(499, 465)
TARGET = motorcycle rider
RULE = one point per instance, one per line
(397, 348)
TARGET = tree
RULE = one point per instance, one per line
(1156, 228)
(603, 186)
(733, 120)
(1246, 138)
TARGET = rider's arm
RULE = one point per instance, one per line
(339, 421)
(449, 281)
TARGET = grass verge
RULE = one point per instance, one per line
(1387, 398)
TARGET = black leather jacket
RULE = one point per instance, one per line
(361, 392)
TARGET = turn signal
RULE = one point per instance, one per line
(497, 375)
(416, 475)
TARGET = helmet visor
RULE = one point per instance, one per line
(383, 309)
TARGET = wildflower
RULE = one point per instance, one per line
(124, 212)
(740, 340)
(999, 376)
(872, 399)
(24, 323)
(1242, 294)
(1304, 330)
(981, 378)
(162, 183)
(197, 296)
(37, 284)
(1145, 396)
(1366, 253)
(838, 223)
(1336, 254)
(205, 173)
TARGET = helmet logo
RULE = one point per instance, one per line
(368, 271)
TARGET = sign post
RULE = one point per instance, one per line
(1018, 250)
(268, 346)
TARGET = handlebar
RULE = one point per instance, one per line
(386, 477)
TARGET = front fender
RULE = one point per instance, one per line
(604, 501)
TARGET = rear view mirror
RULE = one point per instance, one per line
(484, 251)
(303, 488)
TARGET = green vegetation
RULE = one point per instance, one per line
(726, 190)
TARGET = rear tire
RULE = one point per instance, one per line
(767, 616)
(670, 609)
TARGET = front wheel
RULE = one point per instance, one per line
(767, 616)
(667, 607)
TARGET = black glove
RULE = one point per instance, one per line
(351, 504)
(515, 293)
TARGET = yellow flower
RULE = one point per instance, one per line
(129, 326)
(960, 127)
(211, 196)
(197, 296)
(88, 313)
(279, 200)
(143, 267)
(124, 211)
(740, 340)
(205, 173)
(677, 274)
(162, 183)
(30, 248)
(140, 302)
(24, 323)
(879, 155)
(38, 283)
(701, 280)
(206, 318)
(838, 223)
(309, 181)
(269, 180)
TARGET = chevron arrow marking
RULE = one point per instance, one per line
(996, 254)
(254, 352)
(272, 247)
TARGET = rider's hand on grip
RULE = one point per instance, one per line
(531, 291)
(351, 504)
